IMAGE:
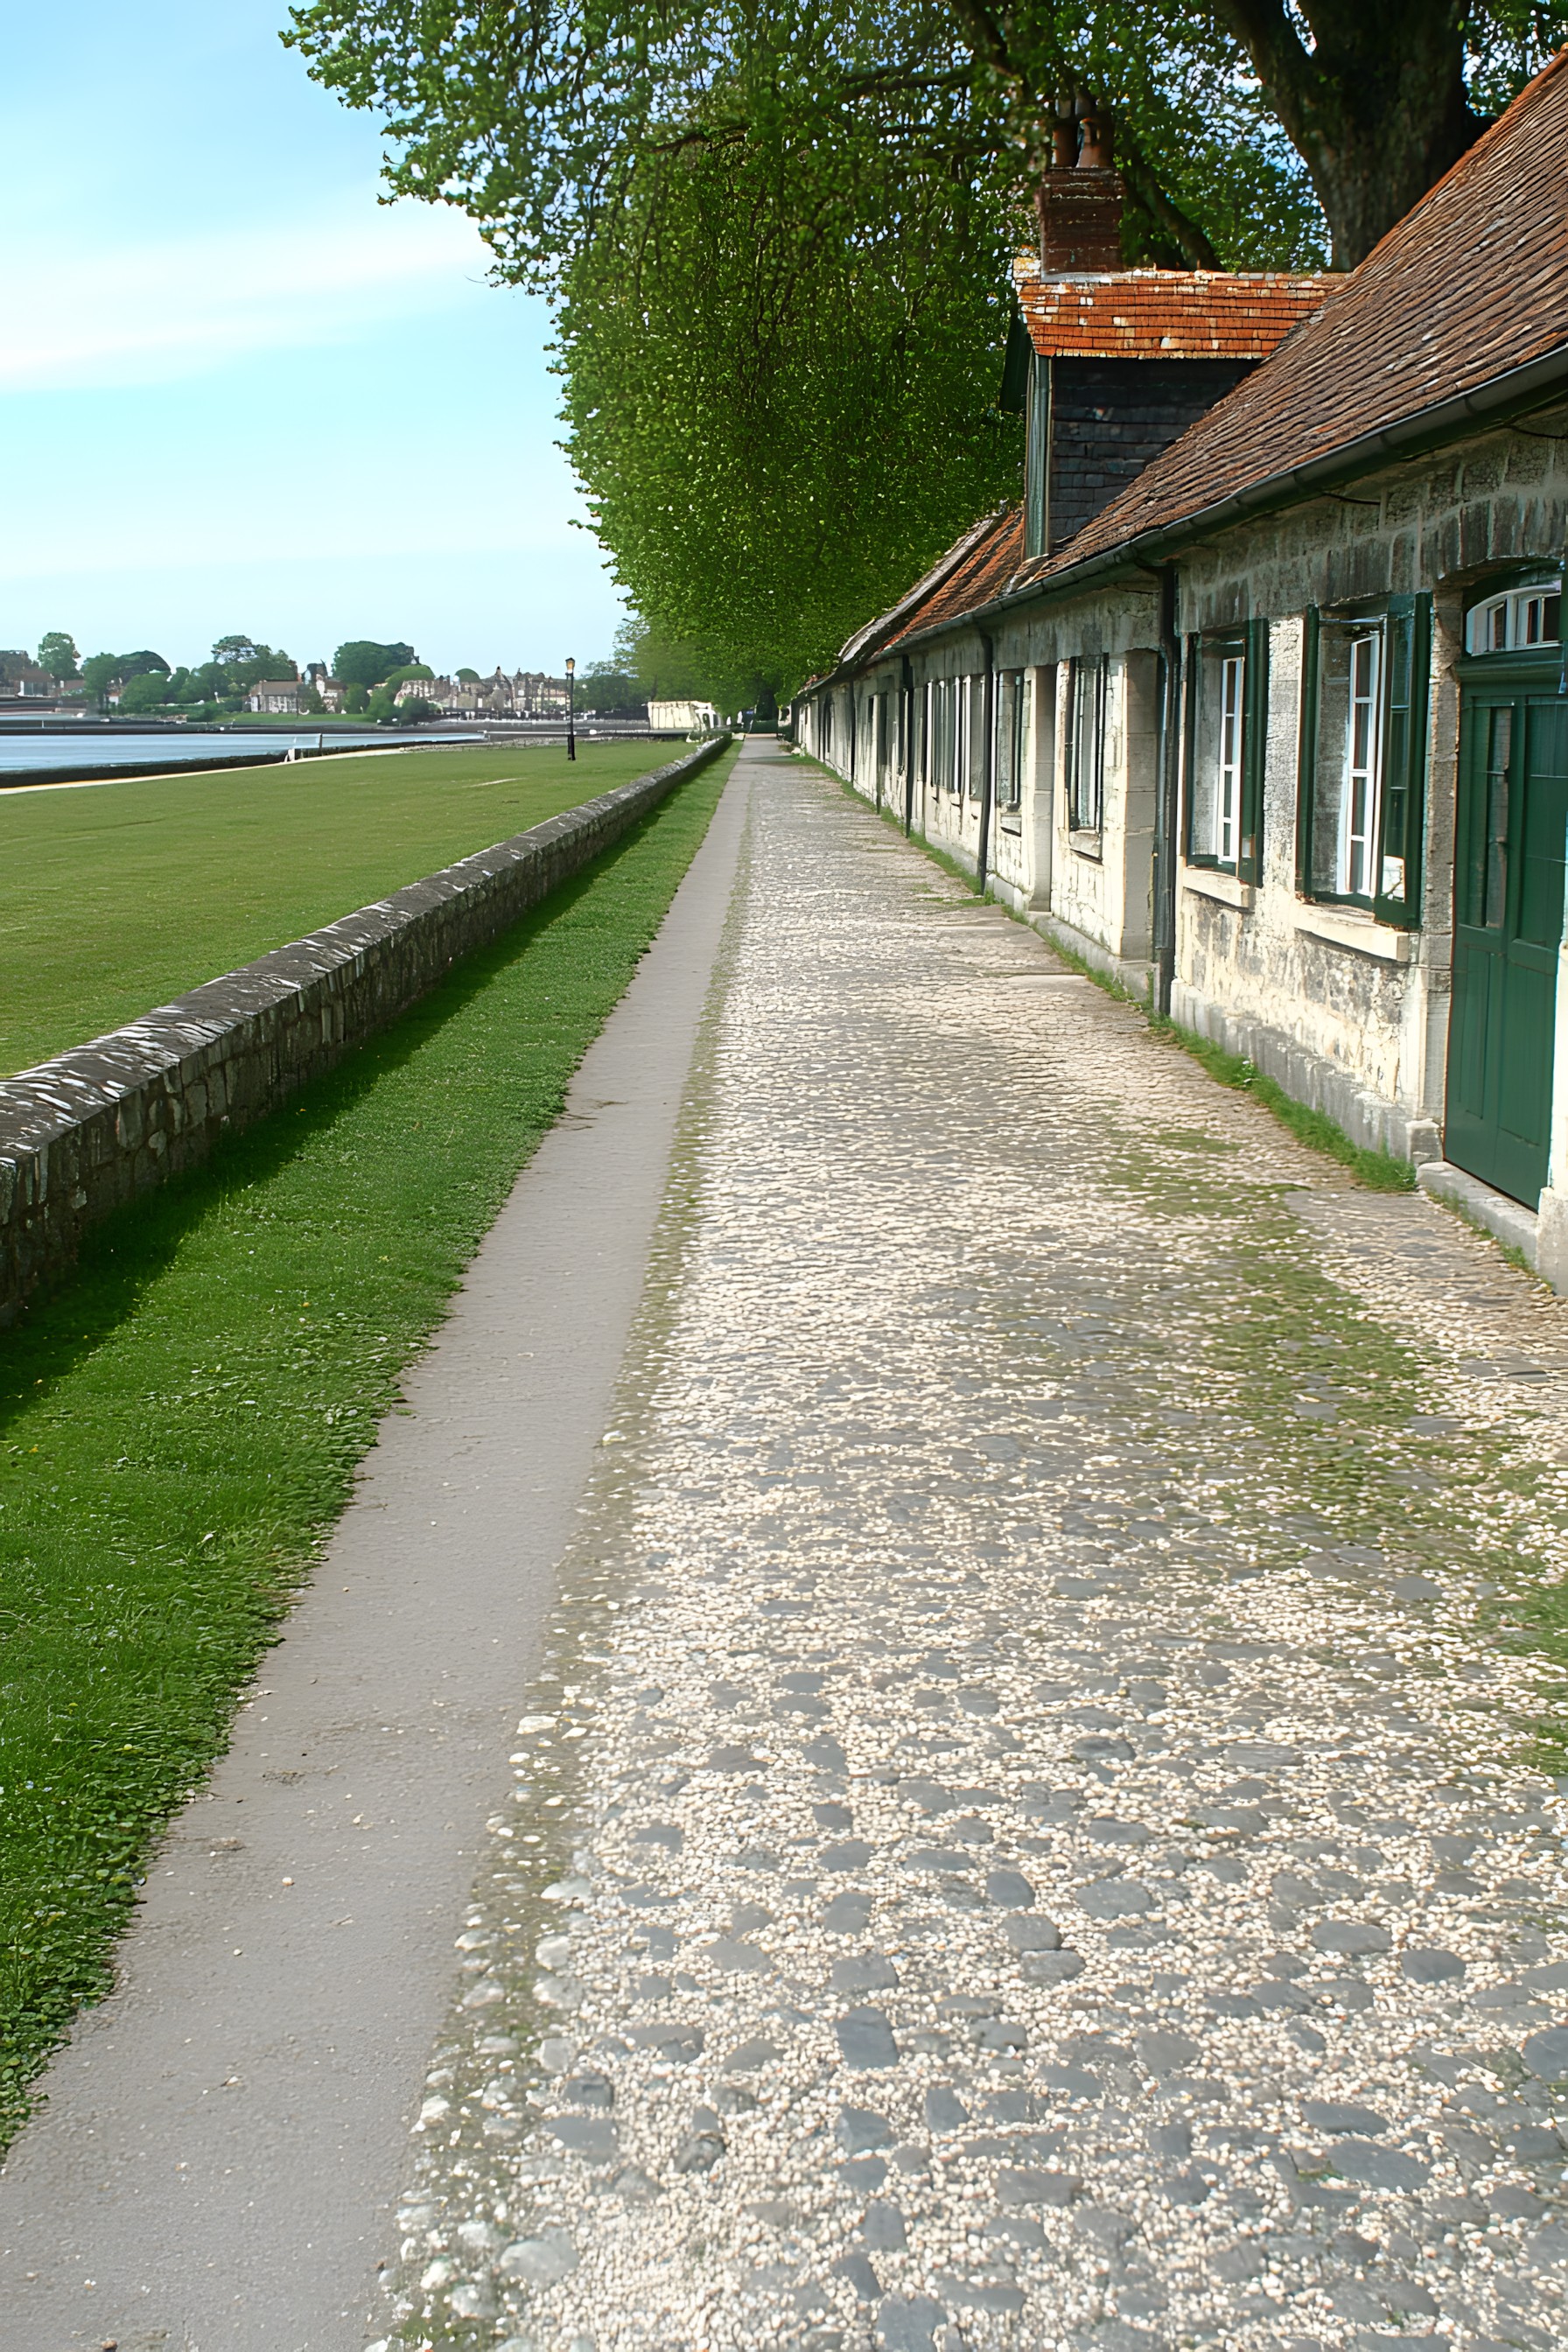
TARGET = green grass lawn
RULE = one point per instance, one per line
(115, 897)
(178, 1428)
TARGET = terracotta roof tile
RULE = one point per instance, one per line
(879, 632)
(981, 578)
(1164, 314)
(1472, 284)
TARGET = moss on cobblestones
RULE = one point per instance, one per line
(1312, 1127)
(180, 1428)
(1356, 1470)
(1379, 1169)
(1268, 1320)
(1054, 1579)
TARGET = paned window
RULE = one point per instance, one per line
(1012, 722)
(1363, 757)
(1085, 699)
(1359, 808)
(1517, 619)
(1226, 737)
(949, 733)
(939, 732)
(1227, 758)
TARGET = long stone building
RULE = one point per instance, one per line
(1255, 698)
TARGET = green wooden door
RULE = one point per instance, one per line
(1507, 925)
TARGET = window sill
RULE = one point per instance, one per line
(1210, 882)
(1009, 821)
(1087, 844)
(1352, 928)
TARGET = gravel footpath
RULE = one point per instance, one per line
(1032, 1835)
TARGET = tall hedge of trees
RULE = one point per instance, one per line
(777, 235)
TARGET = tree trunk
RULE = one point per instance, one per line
(1376, 110)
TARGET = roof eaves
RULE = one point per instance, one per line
(1515, 393)
(865, 639)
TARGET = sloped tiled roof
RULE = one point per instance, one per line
(982, 576)
(1469, 287)
(1174, 314)
(876, 633)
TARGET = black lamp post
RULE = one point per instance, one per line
(570, 707)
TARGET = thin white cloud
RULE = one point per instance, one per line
(157, 311)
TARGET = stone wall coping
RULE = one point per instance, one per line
(85, 1132)
(38, 1104)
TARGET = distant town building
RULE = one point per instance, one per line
(525, 694)
(688, 718)
(278, 697)
(21, 680)
(331, 689)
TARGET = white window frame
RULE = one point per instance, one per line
(1360, 800)
(1516, 620)
(1010, 736)
(1088, 698)
(1232, 720)
(946, 716)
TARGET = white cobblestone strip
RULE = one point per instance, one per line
(1030, 1837)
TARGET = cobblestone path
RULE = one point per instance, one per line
(1031, 1835)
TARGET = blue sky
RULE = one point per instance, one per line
(236, 394)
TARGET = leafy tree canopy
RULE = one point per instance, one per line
(466, 677)
(241, 662)
(609, 691)
(142, 664)
(540, 116)
(362, 662)
(666, 670)
(777, 235)
(58, 655)
(99, 673)
(148, 689)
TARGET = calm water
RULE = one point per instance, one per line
(36, 755)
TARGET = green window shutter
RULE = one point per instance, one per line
(1253, 752)
(1194, 676)
(1407, 668)
(1307, 757)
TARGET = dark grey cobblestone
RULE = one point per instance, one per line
(1028, 1838)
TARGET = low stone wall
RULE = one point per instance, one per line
(81, 1135)
(1368, 1118)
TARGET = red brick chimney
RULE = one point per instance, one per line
(1081, 197)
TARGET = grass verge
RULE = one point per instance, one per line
(179, 1428)
(1380, 1169)
(117, 896)
(1314, 1128)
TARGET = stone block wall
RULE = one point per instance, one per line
(82, 1134)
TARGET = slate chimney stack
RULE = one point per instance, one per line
(1081, 197)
